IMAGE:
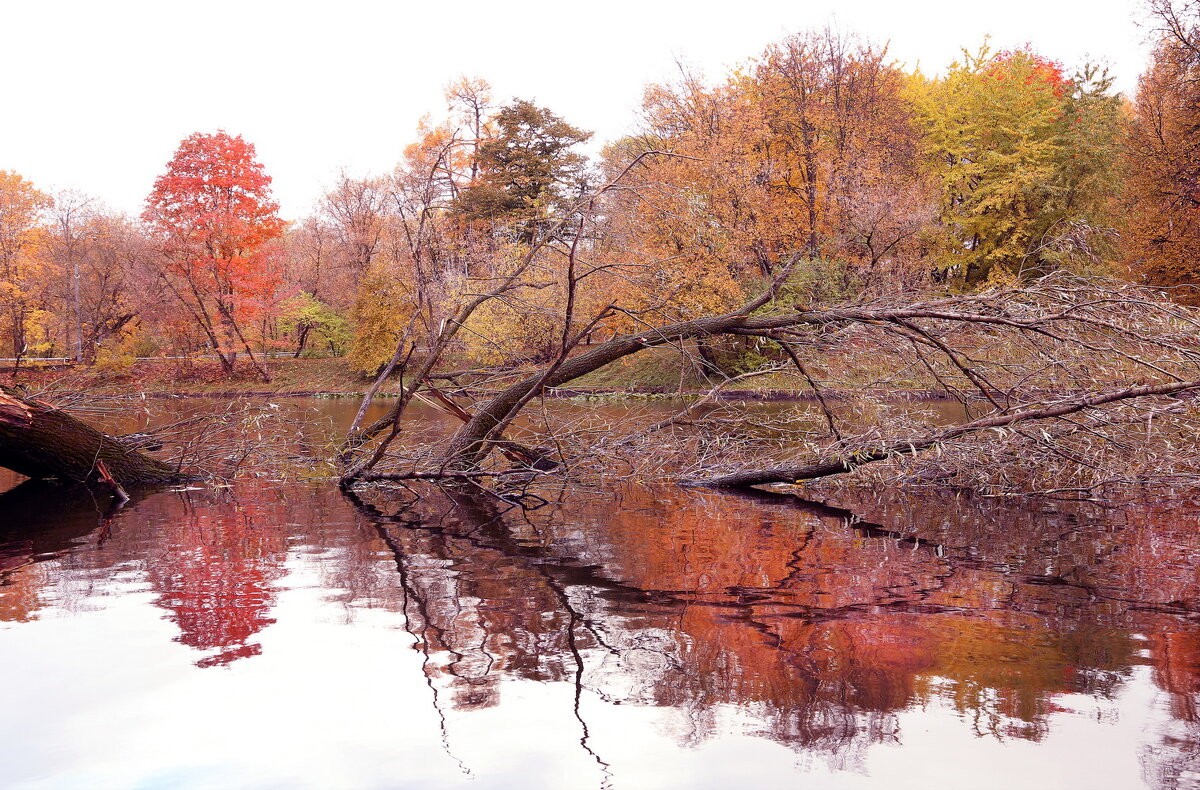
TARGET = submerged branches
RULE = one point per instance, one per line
(241, 438)
(1066, 383)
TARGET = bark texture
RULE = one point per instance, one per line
(40, 441)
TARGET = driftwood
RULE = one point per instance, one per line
(41, 441)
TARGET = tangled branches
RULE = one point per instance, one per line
(1066, 383)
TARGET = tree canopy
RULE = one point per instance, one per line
(214, 219)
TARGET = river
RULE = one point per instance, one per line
(285, 635)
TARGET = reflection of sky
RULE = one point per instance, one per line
(101, 697)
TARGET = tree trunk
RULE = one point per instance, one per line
(303, 341)
(473, 441)
(848, 462)
(40, 441)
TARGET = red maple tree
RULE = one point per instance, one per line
(215, 220)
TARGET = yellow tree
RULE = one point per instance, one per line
(1024, 158)
(23, 269)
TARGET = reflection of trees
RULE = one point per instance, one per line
(1173, 761)
(789, 620)
(213, 559)
(478, 608)
(213, 556)
(40, 520)
(214, 569)
(821, 629)
(494, 595)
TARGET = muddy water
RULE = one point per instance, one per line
(288, 636)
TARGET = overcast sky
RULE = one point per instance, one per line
(98, 93)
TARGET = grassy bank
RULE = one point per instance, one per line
(655, 371)
(196, 377)
(660, 371)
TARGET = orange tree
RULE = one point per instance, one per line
(1162, 156)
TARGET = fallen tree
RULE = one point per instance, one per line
(1086, 378)
(41, 441)
(1064, 384)
(851, 460)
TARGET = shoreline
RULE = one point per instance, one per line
(764, 396)
(330, 378)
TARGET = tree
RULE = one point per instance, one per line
(100, 260)
(1024, 157)
(1058, 379)
(835, 120)
(1162, 156)
(304, 316)
(215, 221)
(810, 147)
(23, 267)
(42, 441)
(355, 210)
(525, 168)
(471, 197)
(70, 211)
(471, 100)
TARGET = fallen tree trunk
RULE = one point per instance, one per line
(477, 437)
(43, 442)
(852, 460)
(1032, 355)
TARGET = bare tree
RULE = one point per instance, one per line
(355, 209)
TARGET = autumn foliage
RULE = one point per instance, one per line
(1023, 159)
(23, 264)
(214, 219)
(1162, 160)
(822, 149)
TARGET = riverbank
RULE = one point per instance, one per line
(660, 373)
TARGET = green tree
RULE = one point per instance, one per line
(525, 168)
(304, 316)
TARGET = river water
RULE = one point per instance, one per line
(271, 635)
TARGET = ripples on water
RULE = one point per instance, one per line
(272, 636)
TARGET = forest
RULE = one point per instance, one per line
(1009, 233)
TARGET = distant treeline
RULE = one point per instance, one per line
(1005, 166)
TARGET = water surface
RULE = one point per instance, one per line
(274, 635)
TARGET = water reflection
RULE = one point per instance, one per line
(38, 521)
(831, 632)
(219, 563)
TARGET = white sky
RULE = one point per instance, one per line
(98, 93)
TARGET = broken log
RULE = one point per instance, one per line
(41, 441)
